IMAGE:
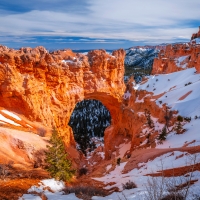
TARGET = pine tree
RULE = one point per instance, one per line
(58, 164)
(178, 125)
(89, 119)
(162, 135)
(148, 117)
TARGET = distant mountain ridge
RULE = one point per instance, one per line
(139, 60)
(142, 56)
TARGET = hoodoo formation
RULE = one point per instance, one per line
(45, 87)
(196, 35)
(177, 57)
(154, 118)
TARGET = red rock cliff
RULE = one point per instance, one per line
(45, 86)
(177, 57)
(196, 35)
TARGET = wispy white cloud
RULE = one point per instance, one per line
(147, 21)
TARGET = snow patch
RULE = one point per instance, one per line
(127, 95)
(67, 61)
(180, 61)
(11, 114)
(108, 167)
(55, 186)
(2, 118)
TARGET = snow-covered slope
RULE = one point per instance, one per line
(140, 176)
(175, 156)
(180, 91)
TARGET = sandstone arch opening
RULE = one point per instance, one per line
(88, 121)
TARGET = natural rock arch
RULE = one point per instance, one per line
(45, 86)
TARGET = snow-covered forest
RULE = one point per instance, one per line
(89, 119)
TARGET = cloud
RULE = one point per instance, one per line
(145, 21)
(20, 6)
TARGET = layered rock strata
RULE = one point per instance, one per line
(177, 57)
(45, 87)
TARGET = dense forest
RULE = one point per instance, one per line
(89, 119)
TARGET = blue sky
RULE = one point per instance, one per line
(92, 24)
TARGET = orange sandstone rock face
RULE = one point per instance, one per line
(196, 35)
(45, 87)
(177, 57)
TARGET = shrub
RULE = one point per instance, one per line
(5, 169)
(118, 161)
(83, 171)
(129, 185)
(179, 126)
(187, 119)
(85, 191)
(58, 164)
(148, 117)
(188, 83)
(180, 118)
(41, 132)
(148, 138)
(163, 135)
(172, 196)
(39, 159)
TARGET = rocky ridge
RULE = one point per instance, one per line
(140, 57)
(176, 57)
(45, 87)
(196, 35)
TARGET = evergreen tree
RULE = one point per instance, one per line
(178, 125)
(89, 119)
(58, 164)
(168, 117)
(162, 135)
(148, 117)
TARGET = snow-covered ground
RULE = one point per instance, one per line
(180, 91)
(138, 175)
(11, 114)
(5, 120)
(174, 86)
(181, 61)
(53, 192)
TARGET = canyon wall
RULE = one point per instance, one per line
(177, 57)
(45, 87)
(196, 35)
